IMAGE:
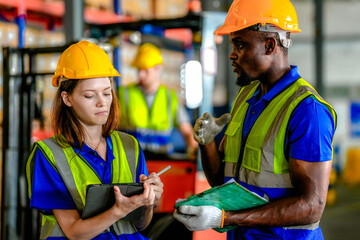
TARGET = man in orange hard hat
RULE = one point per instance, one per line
(150, 110)
(278, 141)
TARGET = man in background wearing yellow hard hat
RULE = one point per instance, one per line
(150, 111)
(278, 141)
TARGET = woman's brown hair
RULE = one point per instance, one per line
(67, 128)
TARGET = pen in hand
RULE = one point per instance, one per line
(164, 170)
(161, 172)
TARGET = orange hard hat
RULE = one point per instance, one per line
(245, 13)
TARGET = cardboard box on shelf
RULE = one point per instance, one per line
(142, 9)
(128, 53)
(49, 90)
(173, 59)
(53, 39)
(129, 75)
(165, 9)
(31, 37)
(10, 36)
(107, 5)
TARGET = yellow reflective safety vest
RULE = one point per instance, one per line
(77, 175)
(152, 127)
(260, 158)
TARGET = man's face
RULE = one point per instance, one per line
(247, 56)
(150, 76)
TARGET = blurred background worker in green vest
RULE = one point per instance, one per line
(150, 110)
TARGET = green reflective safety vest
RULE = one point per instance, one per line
(152, 127)
(261, 155)
(77, 175)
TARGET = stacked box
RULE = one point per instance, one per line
(10, 35)
(141, 9)
(155, 9)
(44, 63)
(166, 9)
(107, 5)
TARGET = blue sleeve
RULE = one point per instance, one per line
(48, 189)
(142, 168)
(311, 131)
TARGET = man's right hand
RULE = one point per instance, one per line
(207, 127)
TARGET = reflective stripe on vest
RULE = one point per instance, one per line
(151, 127)
(153, 140)
(69, 165)
(263, 162)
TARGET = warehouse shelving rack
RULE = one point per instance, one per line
(19, 90)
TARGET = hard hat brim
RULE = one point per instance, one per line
(55, 79)
(227, 29)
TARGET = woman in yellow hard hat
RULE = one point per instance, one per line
(87, 150)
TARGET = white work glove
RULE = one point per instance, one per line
(207, 127)
(197, 218)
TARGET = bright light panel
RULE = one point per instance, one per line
(193, 84)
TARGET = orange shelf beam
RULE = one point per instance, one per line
(57, 9)
(104, 17)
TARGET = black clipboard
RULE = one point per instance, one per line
(101, 197)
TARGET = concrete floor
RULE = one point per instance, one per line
(342, 220)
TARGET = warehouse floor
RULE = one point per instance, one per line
(342, 219)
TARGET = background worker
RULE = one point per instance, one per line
(87, 150)
(278, 142)
(150, 111)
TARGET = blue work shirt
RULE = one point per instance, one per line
(49, 191)
(309, 138)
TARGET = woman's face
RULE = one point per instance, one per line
(91, 101)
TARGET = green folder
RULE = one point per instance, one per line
(229, 196)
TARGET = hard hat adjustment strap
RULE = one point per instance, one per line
(62, 79)
(285, 42)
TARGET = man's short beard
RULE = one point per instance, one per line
(244, 80)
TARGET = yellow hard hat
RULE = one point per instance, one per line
(147, 56)
(245, 13)
(84, 60)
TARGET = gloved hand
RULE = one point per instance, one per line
(197, 218)
(207, 127)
